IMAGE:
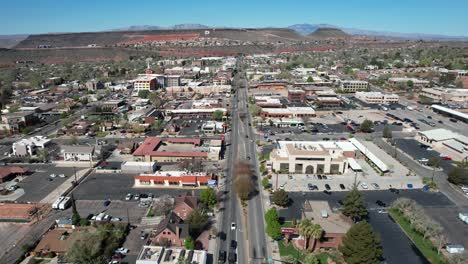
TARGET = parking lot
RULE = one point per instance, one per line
(456, 230)
(114, 186)
(116, 208)
(39, 184)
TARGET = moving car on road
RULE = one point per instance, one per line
(233, 226)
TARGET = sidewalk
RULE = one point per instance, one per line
(65, 186)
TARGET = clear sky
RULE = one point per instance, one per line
(449, 17)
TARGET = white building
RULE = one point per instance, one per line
(441, 137)
(28, 146)
(353, 85)
(77, 153)
(312, 156)
(161, 255)
(446, 95)
(377, 97)
(404, 81)
(290, 112)
(212, 127)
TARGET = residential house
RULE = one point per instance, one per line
(171, 231)
(184, 205)
(77, 153)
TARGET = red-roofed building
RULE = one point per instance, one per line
(174, 149)
(9, 173)
(184, 205)
(173, 178)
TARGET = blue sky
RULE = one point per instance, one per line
(406, 16)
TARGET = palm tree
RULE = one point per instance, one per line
(316, 232)
(304, 230)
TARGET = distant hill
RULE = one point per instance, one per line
(111, 38)
(148, 27)
(9, 41)
(323, 33)
(306, 29)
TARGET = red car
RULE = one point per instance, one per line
(447, 158)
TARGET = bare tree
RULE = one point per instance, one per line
(243, 181)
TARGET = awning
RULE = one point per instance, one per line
(354, 165)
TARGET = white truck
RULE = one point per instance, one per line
(463, 217)
(65, 203)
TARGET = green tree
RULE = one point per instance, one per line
(265, 182)
(361, 245)
(43, 154)
(367, 126)
(387, 132)
(273, 227)
(197, 221)
(255, 110)
(189, 243)
(458, 176)
(76, 218)
(310, 79)
(410, 84)
(218, 115)
(208, 197)
(311, 259)
(143, 94)
(353, 205)
(280, 197)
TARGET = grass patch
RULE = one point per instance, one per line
(101, 134)
(287, 224)
(424, 245)
(150, 212)
(290, 250)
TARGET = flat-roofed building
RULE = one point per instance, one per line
(348, 86)
(29, 146)
(308, 157)
(404, 81)
(163, 255)
(144, 83)
(377, 98)
(289, 112)
(450, 113)
(173, 178)
(444, 138)
(296, 96)
(446, 95)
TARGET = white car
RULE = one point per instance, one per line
(116, 219)
(364, 185)
(53, 175)
(128, 197)
(233, 226)
(61, 175)
(122, 250)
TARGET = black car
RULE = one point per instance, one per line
(232, 257)
(393, 190)
(380, 203)
(342, 186)
(222, 235)
(222, 256)
(233, 244)
(327, 187)
(246, 136)
(327, 192)
(319, 177)
(440, 122)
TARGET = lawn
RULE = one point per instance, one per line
(424, 245)
(290, 250)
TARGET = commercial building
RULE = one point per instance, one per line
(176, 149)
(268, 102)
(8, 173)
(289, 112)
(172, 80)
(12, 122)
(349, 86)
(77, 153)
(444, 138)
(213, 127)
(296, 96)
(371, 157)
(327, 98)
(18, 212)
(446, 95)
(173, 178)
(404, 81)
(309, 157)
(144, 83)
(194, 113)
(29, 146)
(377, 97)
(334, 224)
(162, 255)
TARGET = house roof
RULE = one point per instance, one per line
(171, 222)
(7, 171)
(58, 240)
(150, 148)
(190, 201)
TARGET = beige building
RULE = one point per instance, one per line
(308, 157)
(446, 95)
(377, 97)
(353, 85)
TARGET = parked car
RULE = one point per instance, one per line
(121, 250)
(364, 185)
(375, 186)
(393, 190)
(380, 203)
(53, 175)
(61, 175)
(143, 235)
(319, 177)
(128, 197)
(327, 186)
(222, 256)
(106, 202)
(136, 197)
(342, 187)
